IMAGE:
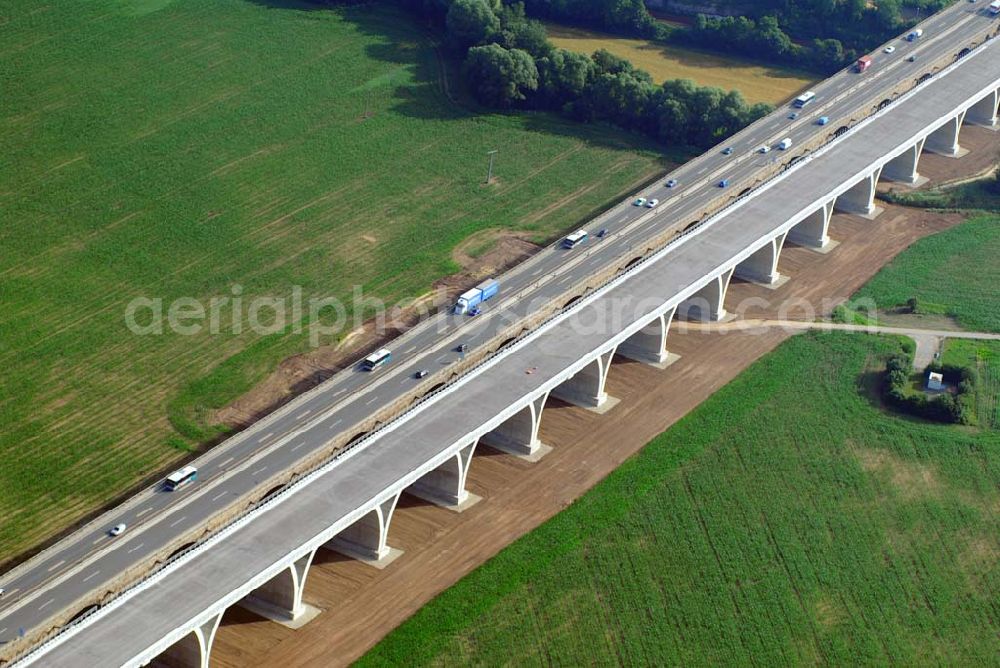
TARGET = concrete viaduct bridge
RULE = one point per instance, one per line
(262, 560)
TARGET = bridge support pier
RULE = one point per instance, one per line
(518, 435)
(445, 485)
(813, 231)
(944, 140)
(709, 303)
(903, 168)
(762, 266)
(193, 650)
(586, 387)
(984, 112)
(649, 344)
(280, 598)
(860, 199)
(366, 539)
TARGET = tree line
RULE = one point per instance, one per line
(508, 62)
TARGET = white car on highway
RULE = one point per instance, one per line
(651, 203)
(889, 49)
(640, 201)
(117, 530)
(764, 149)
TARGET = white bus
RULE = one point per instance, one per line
(804, 99)
(575, 239)
(377, 359)
(181, 477)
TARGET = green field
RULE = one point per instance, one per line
(171, 149)
(783, 521)
(954, 272)
(757, 82)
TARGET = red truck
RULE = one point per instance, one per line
(864, 62)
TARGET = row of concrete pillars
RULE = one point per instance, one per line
(367, 539)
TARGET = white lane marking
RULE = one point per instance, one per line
(371, 401)
(221, 464)
(143, 512)
(260, 470)
(13, 591)
(409, 350)
(135, 548)
(45, 604)
(99, 539)
(3, 629)
(56, 565)
(266, 436)
(303, 414)
(336, 422)
(297, 446)
(339, 392)
(219, 495)
(441, 359)
(92, 575)
(177, 521)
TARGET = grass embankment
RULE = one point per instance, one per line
(757, 83)
(953, 273)
(177, 148)
(786, 520)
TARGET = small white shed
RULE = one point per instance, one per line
(935, 381)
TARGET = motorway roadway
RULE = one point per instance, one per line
(81, 566)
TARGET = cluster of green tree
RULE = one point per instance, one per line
(766, 38)
(958, 408)
(509, 62)
(628, 17)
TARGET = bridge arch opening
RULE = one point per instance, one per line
(183, 548)
(924, 77)
(745, 191)
(357, 437)
(506, 342)
(631, 263)
(434, 389)
(963, 53)
(690, 225)
(840, 131)
(884, 103)
(271, 492)
(572, 301)
(83, 612)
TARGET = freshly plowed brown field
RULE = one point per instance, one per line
(361, 604)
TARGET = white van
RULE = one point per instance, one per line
(785, 143)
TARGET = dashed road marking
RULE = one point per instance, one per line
(56, 565)
(98, 539)
(92, 575)
(42, 606)
(266, 436)
(297, 446)
(336, 422)
(143, 511)
(135, 548)
(303, 414)
(219, 495)
(371, 401)
(221, 464)
(177, 521)
(260, 470)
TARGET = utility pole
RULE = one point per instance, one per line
(489, 171)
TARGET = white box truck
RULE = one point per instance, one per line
(785, 143)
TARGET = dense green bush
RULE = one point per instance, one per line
(956, 408)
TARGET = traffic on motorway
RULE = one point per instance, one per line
(88, 560)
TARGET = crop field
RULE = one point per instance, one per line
(167, 149)
(758, 83)
(984, 357)
(955, 273)
(786, 520)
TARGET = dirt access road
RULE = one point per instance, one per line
(361, 604)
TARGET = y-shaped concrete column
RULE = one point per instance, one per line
(586, 387)
(649, 344)
(193, 650)
(518, 435)
(445, 485)
(709, 303)
(903, 168)
(762, 266)
(280, 598)
(944, 140)
(985, 111)
(813, 231)
(860, 199)
(367, 539)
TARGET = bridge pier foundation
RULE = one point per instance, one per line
(193, 650)
(518, 435)
(985, 111)
(944, 140)
(367, 539)
(445, 485)
(586, 387)
(860, 199)
(649, 344)
(903, 168)
(813, 231)
(709, 303)
(280, 598)
(762, 265)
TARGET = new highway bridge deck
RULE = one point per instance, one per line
(67, 578)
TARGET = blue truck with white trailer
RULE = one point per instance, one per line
(469, 301)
